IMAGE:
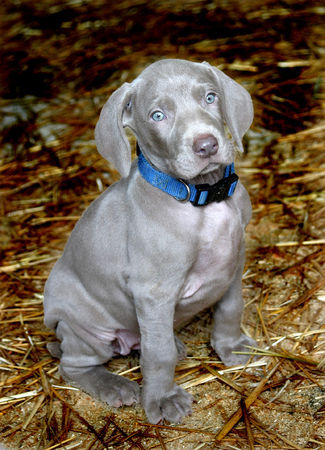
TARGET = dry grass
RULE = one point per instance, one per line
(60, 60)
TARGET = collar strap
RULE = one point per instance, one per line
(198, 194)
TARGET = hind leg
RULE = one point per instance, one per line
(82, 364)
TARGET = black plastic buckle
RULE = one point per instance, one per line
(216, 192)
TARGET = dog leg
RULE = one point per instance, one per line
(226, 334)
(82, 365)
(161, 397)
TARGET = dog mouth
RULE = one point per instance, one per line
(211, 167)
(210, 174)
(190, 167)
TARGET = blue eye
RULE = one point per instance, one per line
(210, 98)
(158, 116)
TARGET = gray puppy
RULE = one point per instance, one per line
(162, 244)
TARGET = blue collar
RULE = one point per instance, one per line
(198, 194)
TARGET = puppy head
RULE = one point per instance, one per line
(179, 112)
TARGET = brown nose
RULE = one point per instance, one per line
(205, 145)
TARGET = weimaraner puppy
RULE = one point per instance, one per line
(160, 245)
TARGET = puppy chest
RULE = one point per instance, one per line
(216, 256)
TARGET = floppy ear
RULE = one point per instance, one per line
(236, 105)
(110, 136)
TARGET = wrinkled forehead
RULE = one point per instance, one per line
(173, 80)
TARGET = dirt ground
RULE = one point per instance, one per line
(59, 62)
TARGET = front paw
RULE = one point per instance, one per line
(225, 348)
(171, 406)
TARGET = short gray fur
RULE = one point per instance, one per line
(140, 263)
